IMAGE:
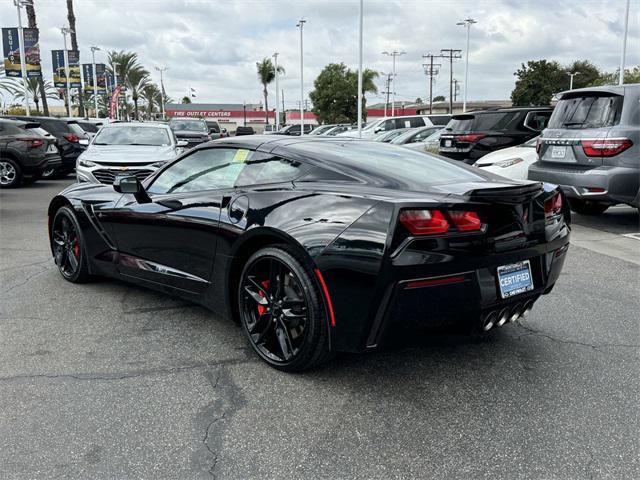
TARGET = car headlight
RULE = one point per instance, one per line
(509, 162)
(85, 163)
(158, 164)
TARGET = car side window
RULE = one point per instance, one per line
(209, 169)
(267, 168)
(386, 126)
(416, 122)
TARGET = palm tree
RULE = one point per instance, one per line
(266, 75)
(186, 100)
(33, 23)
(74, 46)
(33, 90)
(152, 96)
(137, 80)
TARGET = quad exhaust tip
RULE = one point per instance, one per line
(498, 318)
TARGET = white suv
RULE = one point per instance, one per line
(393, 123)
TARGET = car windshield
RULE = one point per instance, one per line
(131, 135)
(590, 110)
(406, 168)
(322, 129)
(89, 127)
(191, 126)
(77, 129)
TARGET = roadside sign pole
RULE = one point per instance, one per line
(275, 58)
(95, 81)
(301, 25)
(23, 58)
(67, 70)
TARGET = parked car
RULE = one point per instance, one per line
(68, 134)
(128, 148)
(512, 162)
(295, 129)
(269, 129)
(191, 130)
(386, 137)
(431, 144)
(414, 135)
(322, 129)
(242, 130)
(332, 132)
(215, 131)
(25, 152)
(470, 136)
(319, 245)
(90, 128)
(408, 121)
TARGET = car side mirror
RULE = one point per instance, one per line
(182, 143)
(377, 130)
(130, 184)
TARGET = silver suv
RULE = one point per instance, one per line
(592, 147)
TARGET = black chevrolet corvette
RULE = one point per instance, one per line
(320, 245)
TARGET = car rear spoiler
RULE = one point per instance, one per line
(511, 195)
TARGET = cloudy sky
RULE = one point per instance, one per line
(213, 45)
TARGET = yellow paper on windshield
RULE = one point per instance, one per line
(241, 156)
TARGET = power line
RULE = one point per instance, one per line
(451, 54)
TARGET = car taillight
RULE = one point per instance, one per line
(470, 137)
(31, 142)
(605, 147)
(538, 145)
(553, 205)
(466, 221)
(71, 137)
(424, 222)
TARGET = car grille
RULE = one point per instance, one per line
(107, 176)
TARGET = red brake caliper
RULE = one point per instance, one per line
(76, 247)
(262, 308)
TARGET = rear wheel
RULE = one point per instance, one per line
(588, 207)
(10, 174)
(68, 247)
(281, 310)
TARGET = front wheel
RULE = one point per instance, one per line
(588, 207)
(282, 311)
(67, 244)
(10, 175)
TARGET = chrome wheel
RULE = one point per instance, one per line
(8, 173)
(274, 309)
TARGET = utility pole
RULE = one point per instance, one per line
(456, 89)
(284, 112)
(275, 61)
(244, 113)
(451, 54)
(624, 43)
(431, 69)
(95, 81)
(387, 90)
(571, 75)
(162, 95)
(393, 55)
(67, 69)
(23, 57)
(467, 22)
(300, 24)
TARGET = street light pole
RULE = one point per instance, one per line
(95, 80)
(360, 41)
(394, 54)
(23, 56)
(624, 43)
(161, 70)
(67, 69)
(301, 25)
(571, 75)
(275, 64)
(467, 22)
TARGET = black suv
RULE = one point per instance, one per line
(68, 133)
(25, 152)
(470, 136)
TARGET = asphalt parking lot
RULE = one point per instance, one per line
(106, 380)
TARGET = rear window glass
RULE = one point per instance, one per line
(483, 122)
(55, 127)
(89, 127)
(439, 120)
(390, 164)
(77, 129)
(587, 111)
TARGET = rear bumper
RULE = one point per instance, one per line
(604, 184)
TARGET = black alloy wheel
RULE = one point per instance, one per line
(66, 242)
(281, 310)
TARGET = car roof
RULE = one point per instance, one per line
(136, 124)
(615, 89)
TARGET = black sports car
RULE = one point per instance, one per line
(317, 245)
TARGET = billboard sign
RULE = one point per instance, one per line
(11, 52)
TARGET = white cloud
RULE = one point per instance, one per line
(213, 46)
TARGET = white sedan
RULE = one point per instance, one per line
(512, 162)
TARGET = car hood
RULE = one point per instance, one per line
(128, 154)
(526, 153)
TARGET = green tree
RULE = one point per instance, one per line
(537, 82)
(631, 75)
(137, 80)
(266, 75)
(335, 93)
(439, 98)
(152, 97)
(33, 91)
(588, 74)
(186, 100)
